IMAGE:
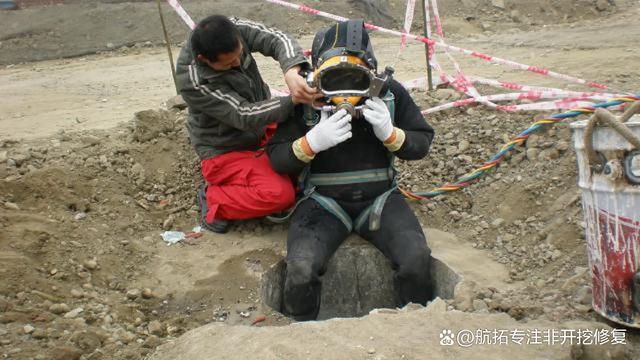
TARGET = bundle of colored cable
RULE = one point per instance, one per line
(494, 161)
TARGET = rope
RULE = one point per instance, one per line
(603, 116)
(470, 177)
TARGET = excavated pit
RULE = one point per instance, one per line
(358, 279)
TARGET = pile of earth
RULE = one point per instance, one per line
(75, 28)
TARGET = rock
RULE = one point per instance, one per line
(88, 340)
(138, 170)
(447, 94)
(148, 294)
(463, 295)
(515, 16)
(602, 5)
(451, 150)
(39, 334)
(11, 206)
(91, 264)
(483, 224)
(90, 140)
(584, 295)
(28, 329)
(549, 154)
(156, 328)
(498, 3)
(464, 145)
(133, 294)
(3, 157)
(80, 216)
(59, 308)
(152, 342)
(66, 353)
(532, 154)
(176, 102)
(497, 223)
(455, 215)
(73, 313)
(168, 222)
(371, 351)
(562, 146)
(480, 305)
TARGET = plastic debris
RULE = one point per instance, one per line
(173, 237)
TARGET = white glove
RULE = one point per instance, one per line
(330, 131)
(377, 114)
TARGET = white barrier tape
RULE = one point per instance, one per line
(183, 14)
(532, 96)
(476, 54)
(461, 81)
(420, 82)
(436, 18)
(408, 21)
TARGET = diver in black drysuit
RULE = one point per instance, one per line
(315, 234)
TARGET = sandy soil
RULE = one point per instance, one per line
(84, 195)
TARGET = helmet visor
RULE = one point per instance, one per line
(343, 80)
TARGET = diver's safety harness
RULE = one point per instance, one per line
(309, 181)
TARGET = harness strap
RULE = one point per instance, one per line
(290, 211)
(350, 177)
(373, 213)
(332, 206)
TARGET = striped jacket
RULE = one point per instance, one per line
(229, 110)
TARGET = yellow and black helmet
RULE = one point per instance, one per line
(344, 64)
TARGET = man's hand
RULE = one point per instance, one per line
(330, 131)
(301, 93)
(377, 114)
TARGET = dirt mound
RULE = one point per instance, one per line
(77, 28)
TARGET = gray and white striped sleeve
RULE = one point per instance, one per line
(228, 107)
(271, 42)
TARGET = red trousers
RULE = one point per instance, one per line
(242, 185)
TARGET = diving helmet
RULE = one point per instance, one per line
(345, 68)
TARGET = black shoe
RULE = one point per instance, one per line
(217, 225)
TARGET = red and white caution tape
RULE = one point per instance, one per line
(421, 82)
(530, 96)
(475, 54)
(461, 81)
(183, 14)
(436, 18)
(408, 21)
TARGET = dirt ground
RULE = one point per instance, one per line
(87, 187)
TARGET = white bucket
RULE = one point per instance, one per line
(611, 205)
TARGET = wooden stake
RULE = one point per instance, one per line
(426, 46)
(166, 41)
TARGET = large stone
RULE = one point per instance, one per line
(176, 102)
(358, 279)
(498, 3)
